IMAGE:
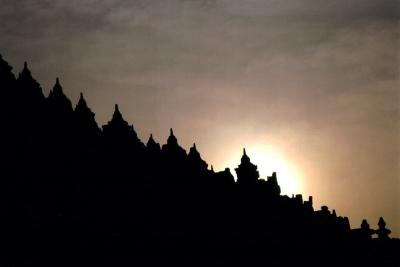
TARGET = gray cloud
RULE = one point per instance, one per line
(318, 78)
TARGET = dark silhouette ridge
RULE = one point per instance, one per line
(75, 193)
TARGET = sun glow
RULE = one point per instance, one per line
(268, 160)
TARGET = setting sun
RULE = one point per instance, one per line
(268, 159)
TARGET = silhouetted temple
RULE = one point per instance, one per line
(76, 193)
(247, 172)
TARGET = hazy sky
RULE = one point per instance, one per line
(310, 87)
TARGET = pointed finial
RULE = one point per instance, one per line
(194, 145)
(151, 141)
(82, 106)
(212, 168)
(381, 223)
(364, 224)
(57, 82)
(81, 100)
(116, 108)
(57, 89)
(25, 65)
(244, 151)
(172, 139)
(152, 144)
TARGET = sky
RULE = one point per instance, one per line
(309, 87)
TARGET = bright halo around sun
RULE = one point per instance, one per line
(269, 160)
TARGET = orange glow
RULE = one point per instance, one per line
(269, 159)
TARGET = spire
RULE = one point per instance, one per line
(172, 139)
(381, 223)
(212, 168)
(365, 230)
(31, 88)
(58, 101)
(120, 131)
(117, 116)
(193, 152)
(382, 232)
(81, 101)
(57, 89)
(195, 158)
(245, 159)
(247, 172)
(85, 117)
(172, 148)
(151, 141)
(152, 145)
(364, 224)
(82, 107)
(25, 73)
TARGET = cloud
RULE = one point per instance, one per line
(317, 75)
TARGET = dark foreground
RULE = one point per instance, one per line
(73, 193)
